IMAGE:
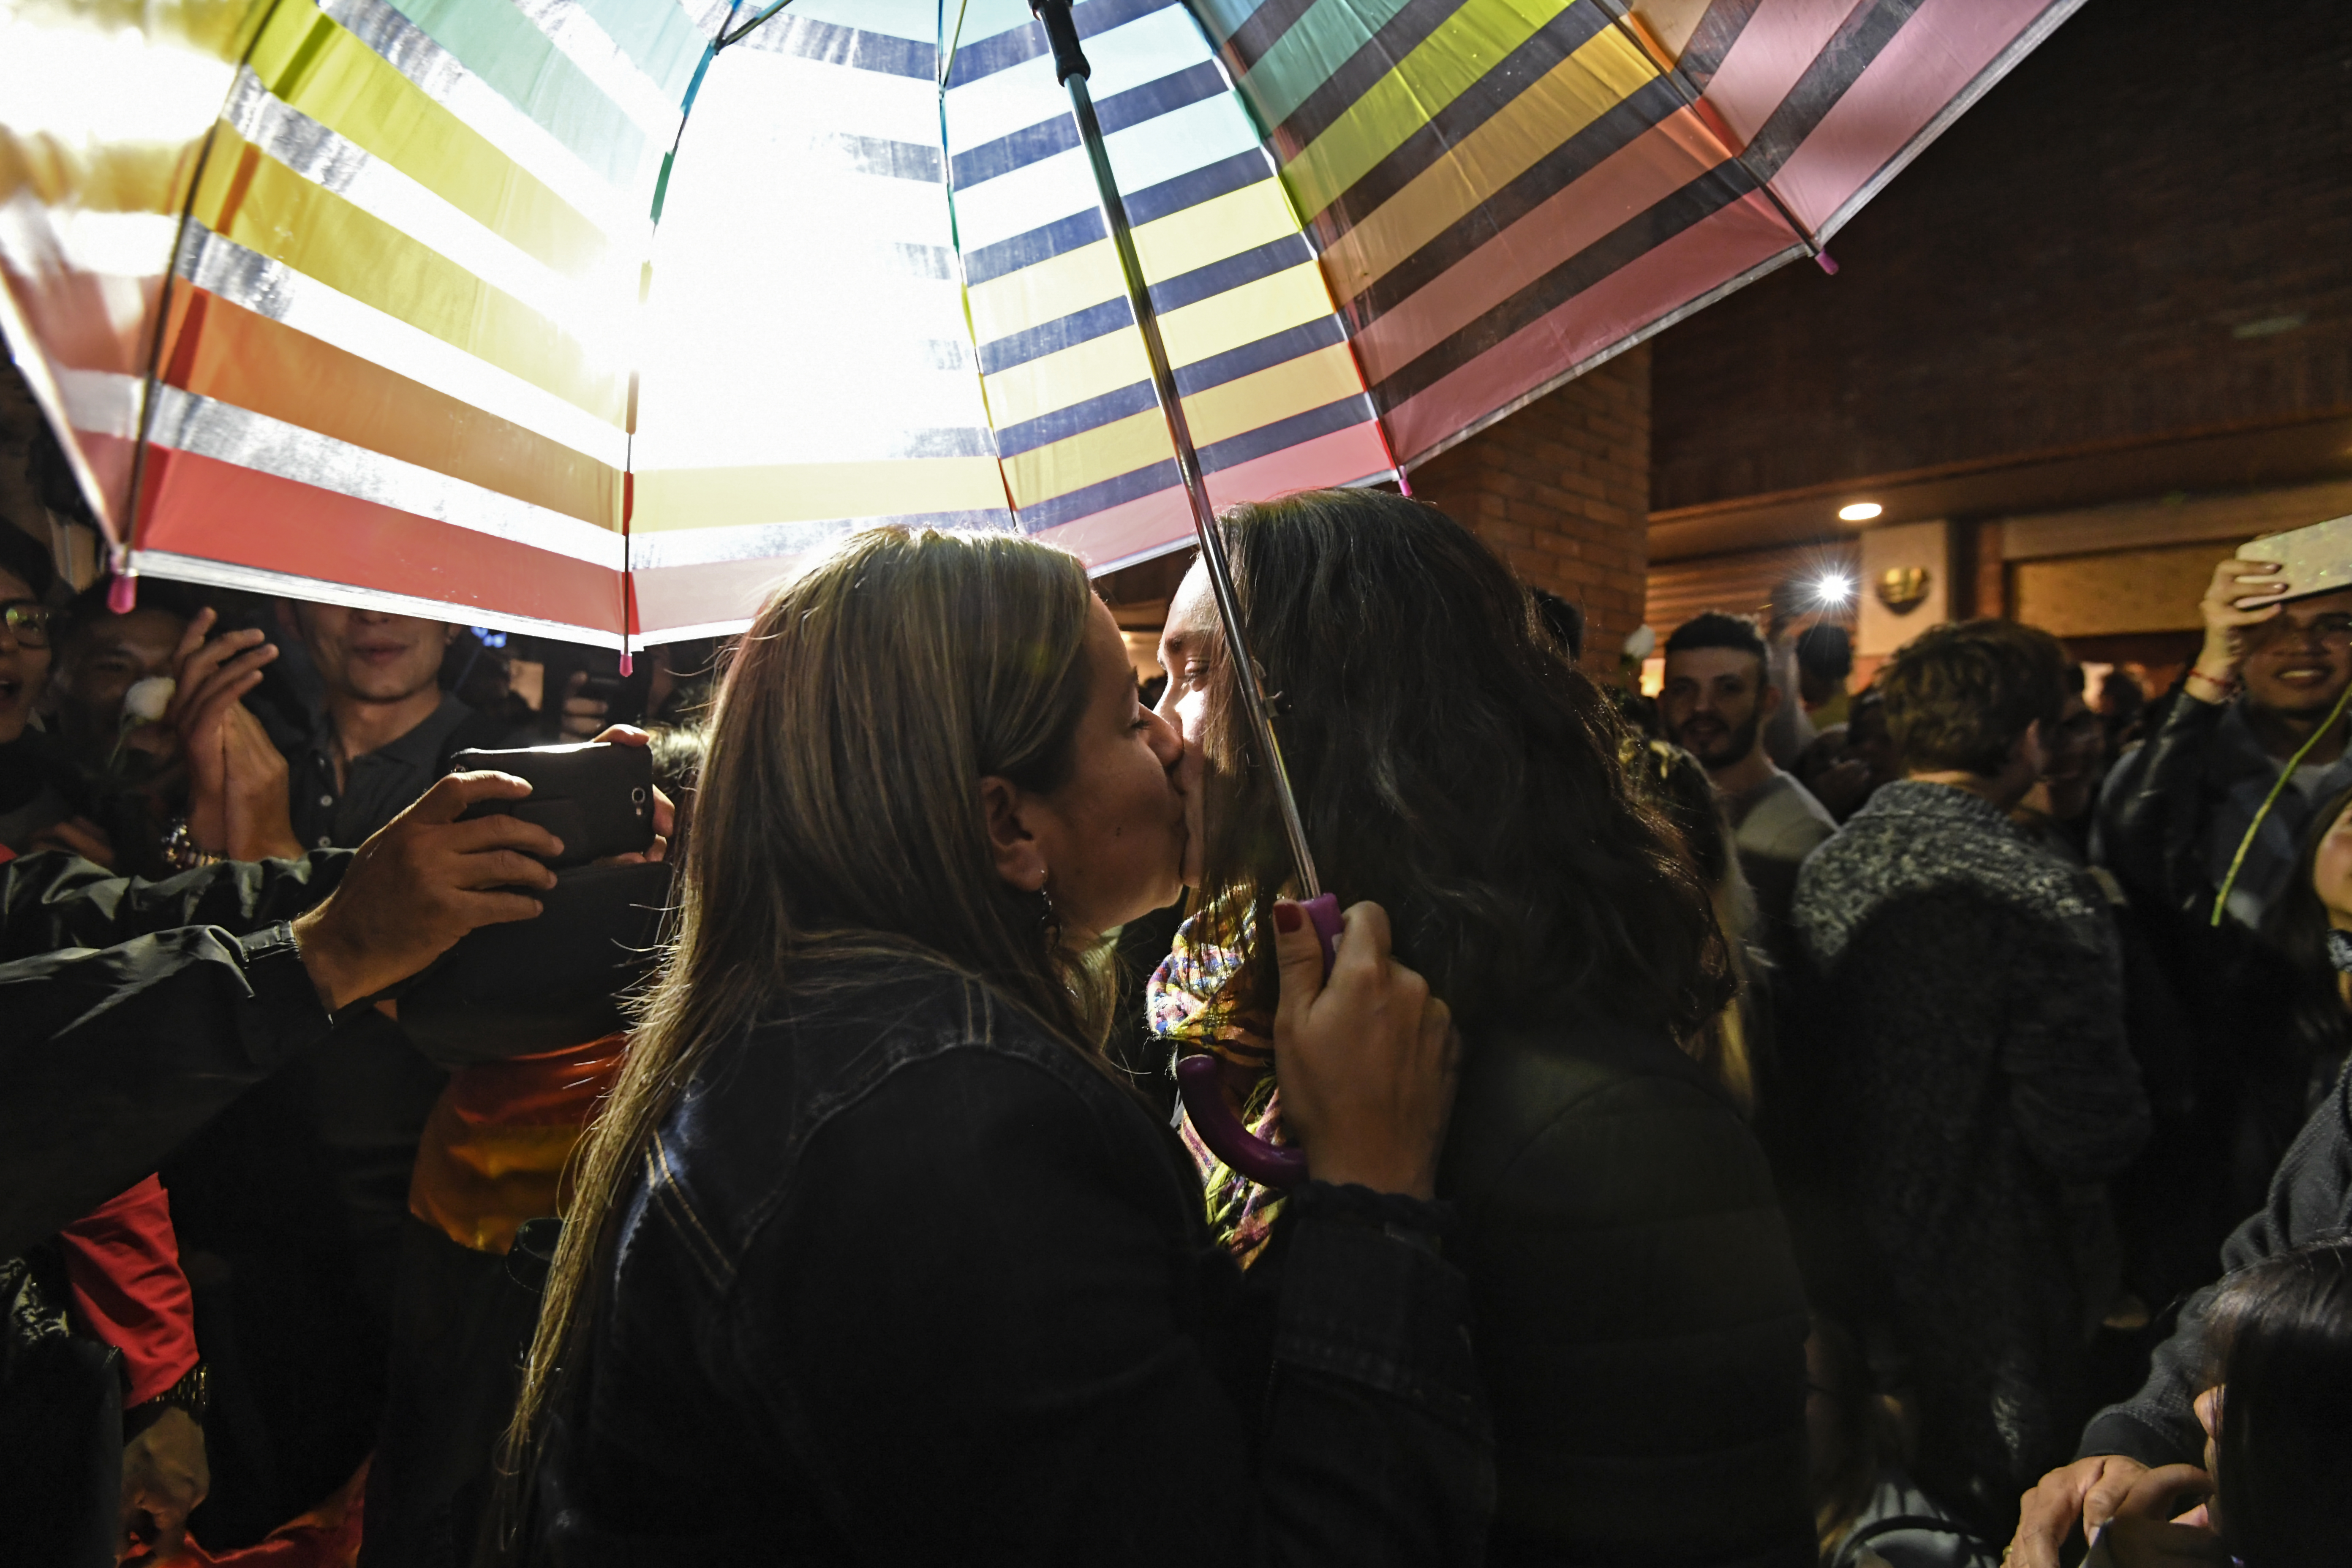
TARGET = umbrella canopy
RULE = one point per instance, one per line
(587, 316)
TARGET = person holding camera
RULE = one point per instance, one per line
(137, 1012)
(2185, 817)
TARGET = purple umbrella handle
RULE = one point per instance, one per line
(1323, 909)
(1267, 1165)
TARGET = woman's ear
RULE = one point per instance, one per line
(1019, 859)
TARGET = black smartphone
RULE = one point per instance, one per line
(595, 796)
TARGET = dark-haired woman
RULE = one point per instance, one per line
(872, 1260)
(1641, 1322)
(2277, 1419)
(2310, 1200)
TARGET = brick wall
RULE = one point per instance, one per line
(1562, 491)
(2142, 231)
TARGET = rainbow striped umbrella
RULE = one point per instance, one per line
(587, 316)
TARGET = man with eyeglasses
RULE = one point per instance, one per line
(2176, 812)
(34, 807)
(2172, 822)
(2175, 818)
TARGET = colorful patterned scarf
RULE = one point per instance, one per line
(1185, 1002)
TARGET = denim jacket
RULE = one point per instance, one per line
(906, 1278)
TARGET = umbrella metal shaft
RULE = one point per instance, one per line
(1070, 65)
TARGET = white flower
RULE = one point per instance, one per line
(1641, 644)
(145, 701)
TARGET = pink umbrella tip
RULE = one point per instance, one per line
(627, 666)
(1826, 262)
(123, 593)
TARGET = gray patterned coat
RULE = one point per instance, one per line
(1967, 1034)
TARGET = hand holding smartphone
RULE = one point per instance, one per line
(595, 796)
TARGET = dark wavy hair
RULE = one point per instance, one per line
(2280, 1343)
(1452, 765)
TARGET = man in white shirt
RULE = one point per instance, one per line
(1717, 698)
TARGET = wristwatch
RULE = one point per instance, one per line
(180, 851)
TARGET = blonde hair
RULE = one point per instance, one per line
(839, 815)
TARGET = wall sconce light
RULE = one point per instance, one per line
(1903, 589)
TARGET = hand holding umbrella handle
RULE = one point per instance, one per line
(1269, 1164)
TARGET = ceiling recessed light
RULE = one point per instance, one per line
(1860, 512)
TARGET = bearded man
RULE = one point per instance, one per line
(1717, 698)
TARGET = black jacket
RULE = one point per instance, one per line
(135, 1013)
(2310, 1200)
(1638, 1313)
(905, 1279)
(2170, 816)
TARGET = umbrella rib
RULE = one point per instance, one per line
(738, 33)
(1070, 66)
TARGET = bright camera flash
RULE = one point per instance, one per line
(1833, 589)
(1860, 512)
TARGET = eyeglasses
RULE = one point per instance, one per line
(29, 622)
(2329, 628)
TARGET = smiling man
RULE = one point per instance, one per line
(1717, 700)
(2266, 678)
(2172, 821)
(384, 727)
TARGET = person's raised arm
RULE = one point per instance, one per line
(2241, 596)
(423, 880)
(237, 779)
(114, 1054)
(2150, 824)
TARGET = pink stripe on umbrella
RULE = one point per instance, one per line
(1634, 178)
(1923, 69)
(1779, 45)
(1701, 259)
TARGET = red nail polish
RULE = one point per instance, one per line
(1285, 916)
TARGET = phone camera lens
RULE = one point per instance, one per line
(639, 795)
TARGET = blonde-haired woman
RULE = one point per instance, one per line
(871, 1259)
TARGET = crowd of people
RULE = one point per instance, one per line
(1775, 1124)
